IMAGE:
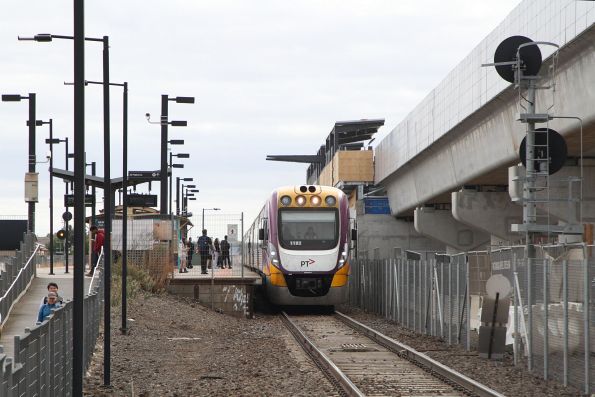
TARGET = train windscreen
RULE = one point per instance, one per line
(308, 229)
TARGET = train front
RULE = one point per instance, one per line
(308, 246)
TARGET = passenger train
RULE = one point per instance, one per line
(300, 243)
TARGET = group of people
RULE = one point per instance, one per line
(210, 252)
(51, 301)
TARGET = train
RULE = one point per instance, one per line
(300, 243)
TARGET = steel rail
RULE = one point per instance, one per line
(348, 387)
(467, 383)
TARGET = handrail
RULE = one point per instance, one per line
(37, 245)
(95, 272)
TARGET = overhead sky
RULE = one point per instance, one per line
(269, 77)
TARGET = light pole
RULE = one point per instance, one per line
(164, 122)
(31, 158)
(184, 199)
(190, 196)
(105, 83)
(178, 179)
(51, 141)
(171, 176)
(79, 193)
(203, 215)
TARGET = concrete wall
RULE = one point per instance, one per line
(379, 235)
(232, 299)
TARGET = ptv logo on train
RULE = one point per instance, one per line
(307, 263)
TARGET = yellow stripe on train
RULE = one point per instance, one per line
(341, 278)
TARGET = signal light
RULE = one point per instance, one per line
(330, 201)
(61, 234)
(315, 201)
(300, 200)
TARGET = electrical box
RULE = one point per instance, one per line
(32, 187)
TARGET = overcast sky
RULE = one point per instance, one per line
(269, 77)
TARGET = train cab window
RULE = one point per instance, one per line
(308, 229)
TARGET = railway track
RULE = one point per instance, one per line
(363, 362)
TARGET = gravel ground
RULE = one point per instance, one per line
(232, 357)
(501, 376)
(179, 348)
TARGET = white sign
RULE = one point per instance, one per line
(232, 232)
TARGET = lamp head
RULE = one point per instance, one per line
(43, 37)
(184, 99)
(11, 98)
(178, 123)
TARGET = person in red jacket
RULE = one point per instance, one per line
(98, 236)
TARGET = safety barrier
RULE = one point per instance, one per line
(429, 297)
(42, 364)
(551, 323)
(16, 275)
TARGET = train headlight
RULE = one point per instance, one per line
(274, 255)
(315, 201)
(344, 254)
(300, 200)
(330, 201)
(285, 200)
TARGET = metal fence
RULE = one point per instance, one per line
(16, 274)
(42, 364)
(551, 324)
(151, 243)
(218, 226)
(429, 297)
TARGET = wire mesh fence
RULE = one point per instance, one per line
(551, 316)
(221, 259)
(151, 244)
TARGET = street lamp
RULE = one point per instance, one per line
(165, 99)
(51, 141)
(31, 159)
(172, 165)
(79, 194)
(178, 179)
(184, 198)
(203, 215)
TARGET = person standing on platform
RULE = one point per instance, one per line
(190, 246)
(98, 236)
(182, 255)
(225, 247)
(217, 253)
(205, 245)
(46, 309)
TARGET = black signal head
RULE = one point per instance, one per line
(507, 52)
(556, 146)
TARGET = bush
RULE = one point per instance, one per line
(138, 280)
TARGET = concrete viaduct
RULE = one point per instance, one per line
(450, 166)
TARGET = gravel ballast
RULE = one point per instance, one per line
(179, 348)
(176, 347)
(501, 376)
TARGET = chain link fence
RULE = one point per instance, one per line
(152, 244)
(551, 318)
(220, 262)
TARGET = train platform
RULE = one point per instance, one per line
(25, 310)
(225, 290)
